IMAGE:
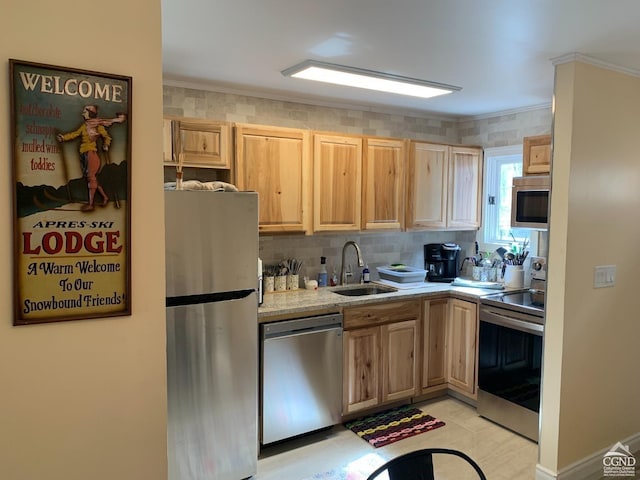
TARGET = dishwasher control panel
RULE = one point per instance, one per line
(287, 327)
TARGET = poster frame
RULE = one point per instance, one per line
(45, 101)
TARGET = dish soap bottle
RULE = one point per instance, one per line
(366, 275)
(322, 275)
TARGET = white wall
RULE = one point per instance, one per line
(86, 399)
(591, 391)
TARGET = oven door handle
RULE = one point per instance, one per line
(491, 316)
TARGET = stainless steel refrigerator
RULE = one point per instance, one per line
(212, 334)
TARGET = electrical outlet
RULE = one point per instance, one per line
(604, 276)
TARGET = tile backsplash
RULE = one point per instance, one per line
(378, 249)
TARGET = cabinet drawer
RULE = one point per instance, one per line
(381, 313)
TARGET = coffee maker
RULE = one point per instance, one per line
(441, 261)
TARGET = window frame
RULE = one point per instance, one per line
(491, 183)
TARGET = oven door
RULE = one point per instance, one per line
(509, 369)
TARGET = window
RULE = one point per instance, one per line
(501, 165)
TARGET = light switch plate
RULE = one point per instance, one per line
(604, 276)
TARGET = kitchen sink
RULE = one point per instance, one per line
(364, 290)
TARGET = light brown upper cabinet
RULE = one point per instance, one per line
(383, 176)
(202, 143)
(465, 188)
(337, 182)
(427, 179)
(444, 185)
(276, 163)
(536, 155)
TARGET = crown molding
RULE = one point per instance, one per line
(579, 57)
(514, 111)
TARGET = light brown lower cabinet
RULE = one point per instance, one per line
(449, 339)
(361, 376)
(381, 353)
(462, 335)
(434, 324)
(399, 360)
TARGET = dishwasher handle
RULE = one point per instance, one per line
(298, 326)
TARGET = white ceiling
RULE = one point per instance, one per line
(499, 51)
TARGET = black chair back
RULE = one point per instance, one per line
(418, 465)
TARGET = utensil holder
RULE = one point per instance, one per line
(280, 283)
(269, 284)
(485, 274)
(293, 282)
(476, 273)
(514, 276)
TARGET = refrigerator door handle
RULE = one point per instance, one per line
(207, 298)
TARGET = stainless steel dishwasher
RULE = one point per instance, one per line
(301, 376)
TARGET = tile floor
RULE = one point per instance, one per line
(339, 454)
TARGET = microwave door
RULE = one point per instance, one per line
(530, 209)
(532, 206)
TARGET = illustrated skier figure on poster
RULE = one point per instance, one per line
(92, 130)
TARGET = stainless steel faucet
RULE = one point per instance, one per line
(343, 273)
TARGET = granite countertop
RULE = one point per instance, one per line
(308, 302)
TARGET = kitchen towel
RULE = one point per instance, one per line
(462, 282)
(393, 425)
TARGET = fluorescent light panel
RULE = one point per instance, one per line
(369, 79)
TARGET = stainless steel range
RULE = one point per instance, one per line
(510, 354)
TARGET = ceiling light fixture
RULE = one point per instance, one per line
(369, 79)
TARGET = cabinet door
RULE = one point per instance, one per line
(434, 324)
(427, 180)
(337, 182)
(383, 195)
(361, 374)
(461, 349)
(167, 142)
(536, 155)
(275, 163)
(399, 360)
(203, 144)
(465, 188)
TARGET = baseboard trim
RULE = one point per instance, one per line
(589, 468)
(462, 397)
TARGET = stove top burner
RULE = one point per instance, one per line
(526, 300)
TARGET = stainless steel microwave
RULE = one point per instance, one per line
(530, 202)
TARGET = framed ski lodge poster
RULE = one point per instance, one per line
(71, 167)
